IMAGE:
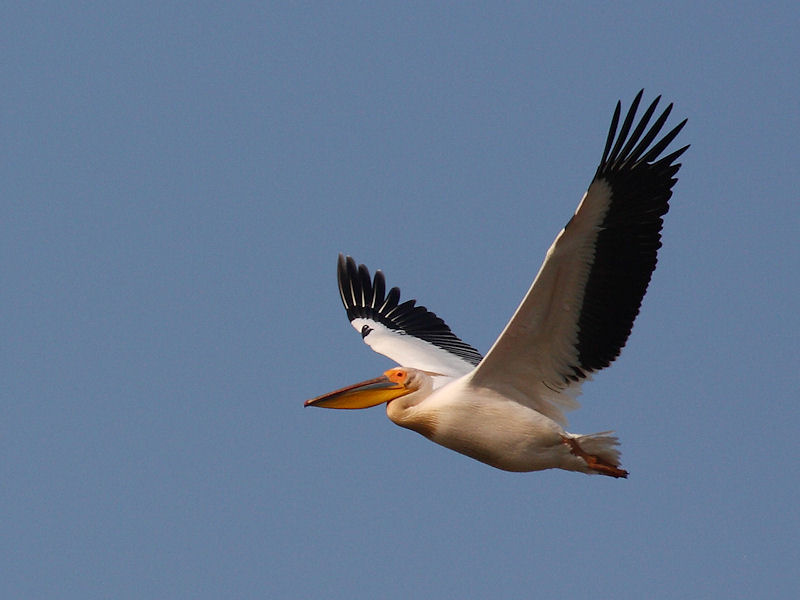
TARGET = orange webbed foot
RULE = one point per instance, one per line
(595, 463)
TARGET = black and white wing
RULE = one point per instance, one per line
(580, 309)
(410, 335)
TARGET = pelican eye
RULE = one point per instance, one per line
(365, 330)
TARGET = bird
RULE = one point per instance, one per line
(506, 409)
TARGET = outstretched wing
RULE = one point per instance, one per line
(410, 335)
(578, 313)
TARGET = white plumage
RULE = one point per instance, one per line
(507, 409)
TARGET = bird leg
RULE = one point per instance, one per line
(594, 462)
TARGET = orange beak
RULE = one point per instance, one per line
(362, 395)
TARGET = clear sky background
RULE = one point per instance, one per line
(177, 180)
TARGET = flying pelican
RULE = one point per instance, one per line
(507, 409)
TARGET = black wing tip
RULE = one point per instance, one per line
(626, 149)
(354, 281)
(641, 179)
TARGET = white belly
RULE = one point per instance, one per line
(487, 427)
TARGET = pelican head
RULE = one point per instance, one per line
(393, 384)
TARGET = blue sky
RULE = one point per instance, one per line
(177, 183)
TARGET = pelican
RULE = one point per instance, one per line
(506, 409)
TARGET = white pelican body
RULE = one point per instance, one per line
(486, 426)
(507, 409)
